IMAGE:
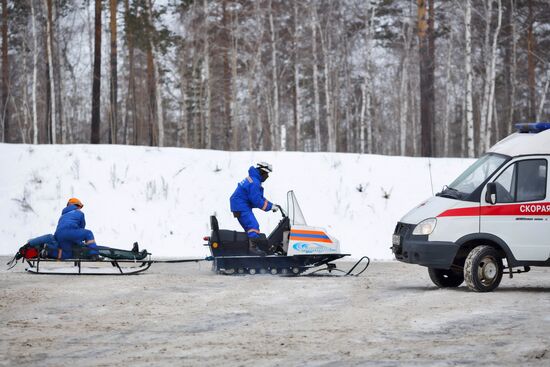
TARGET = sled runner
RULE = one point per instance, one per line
(292, 248)
(87, 267)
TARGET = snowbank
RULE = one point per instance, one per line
(163, 197)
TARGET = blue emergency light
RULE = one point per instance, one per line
(532, 128)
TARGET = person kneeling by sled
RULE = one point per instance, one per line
(71, 231)
(248, 195)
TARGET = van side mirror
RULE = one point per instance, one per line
(491, 194)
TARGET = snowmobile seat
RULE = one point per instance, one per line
(232, 243)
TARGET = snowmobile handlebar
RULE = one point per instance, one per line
(283, 214)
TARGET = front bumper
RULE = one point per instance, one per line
(419, 250)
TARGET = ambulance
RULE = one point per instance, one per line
(494, 219)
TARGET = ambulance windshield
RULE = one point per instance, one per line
(474, 176)
(294, 212)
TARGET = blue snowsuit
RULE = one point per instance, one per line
(70, 231)
(248, 195)
(49, 241)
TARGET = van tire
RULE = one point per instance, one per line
(483, 269)
(446, 278)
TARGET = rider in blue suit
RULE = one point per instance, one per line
(71, 230)
(249, 195)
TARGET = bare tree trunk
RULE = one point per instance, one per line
(362, 122)
(468, 67)
(96, 85)
(486, 84)
(113, 123)
(491, 100)
(531, 63)
(24, 129)
(130, 115)
(5, 74)
(297, 92)
(34, 75)
(446, 124)
(58, 67)
(207, 122)
(234, 117)
(404, 92)
(279, 138)
(316, 98)
(156, 89)
(425, 34)
(225, 39)
(331, 133)
(49, 50)
(543, 97)
(513, 71)
(508, 40)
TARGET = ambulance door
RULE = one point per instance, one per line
(521, 215)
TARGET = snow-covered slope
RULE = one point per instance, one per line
(163, 197)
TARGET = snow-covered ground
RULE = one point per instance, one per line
(163, 197)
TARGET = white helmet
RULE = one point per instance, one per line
(265, 167)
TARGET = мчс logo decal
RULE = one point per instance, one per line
(312, 248)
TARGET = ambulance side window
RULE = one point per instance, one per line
(506, 185)
(523, 181)
(531, 180)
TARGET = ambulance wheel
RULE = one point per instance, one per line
(446, 278)
(483, 269)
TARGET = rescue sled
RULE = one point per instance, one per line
(292, 248)
(110, 261)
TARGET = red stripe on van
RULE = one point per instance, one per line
(532, 209)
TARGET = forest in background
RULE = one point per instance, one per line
(394, 77)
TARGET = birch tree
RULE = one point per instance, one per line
(279, 130)
(155, 87)
(316, 97)
(468, 72)
(34, 75)
(51, 78)
(206, 72)
(491, 97)
(297, 89)
(325, 46)
(365, 124)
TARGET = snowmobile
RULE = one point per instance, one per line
(292, 248)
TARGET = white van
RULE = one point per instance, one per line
(498, 209)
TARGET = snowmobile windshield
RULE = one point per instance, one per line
(294, 212)
(474, 177)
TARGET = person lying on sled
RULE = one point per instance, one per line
(249, 195)
(46, 243)
(71, 231)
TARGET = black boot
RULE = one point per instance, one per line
(136, 247)
(253, 247)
